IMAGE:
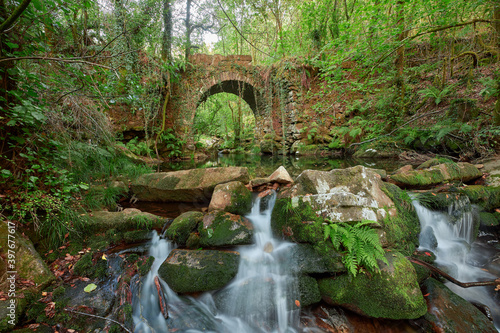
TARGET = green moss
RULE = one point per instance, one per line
(145, 266)
(183, 225)
(392, 294)
(225, 229)
(308, 291)
(58, 292)
(137, 236)
(487, 197)
(489, 220)
(86, 267)
(436, 201)
(131, 258)
(403, 230)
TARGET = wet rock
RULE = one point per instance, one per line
(259, 181)
(427, 237)
(306, 260)
(101, 299)
(392, 294)
(232, 197)
(488, 220)
(487, 197)
(127, 219)
(183, 225)
(225, 229)
(431, 174)
(194, 185)
(308, 291)
(448, 312)
(187, 271)
(281, 176)
(28, 263)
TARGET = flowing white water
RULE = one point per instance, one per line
(449, 236)
(261, 298)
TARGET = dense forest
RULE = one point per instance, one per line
(412, 77)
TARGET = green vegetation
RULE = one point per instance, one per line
(358, 243)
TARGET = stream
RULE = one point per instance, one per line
(450, 236)
(261, 297)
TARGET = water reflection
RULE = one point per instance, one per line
(264, 165)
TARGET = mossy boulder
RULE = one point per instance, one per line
(489, 219)
(308, 290)
(487, 197)
(232, 197)
(183, 225)
(392, 294)
(10, 313)
(307, 260)
(402, 230)
(343, 195)
(449, 313)
(187, 271)
(29, 265)
(224, 229)
(436, 174)
(87, 266)
(194, 185)
(127, 219)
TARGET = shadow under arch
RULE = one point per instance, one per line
(242, 89)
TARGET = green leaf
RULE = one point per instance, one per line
(12, 45)
(89, 288)
(210, 232)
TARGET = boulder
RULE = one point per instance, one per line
(306, 260)
(392, 294)
(232, 197)
(194, 185)
(308, 291)
(27, 262)
(281, 176)
(225, 229)
(487, 197)
(435, 174)
(448, 312)
(342, 195)
(127, 219)
(183, 225)
(187, 271)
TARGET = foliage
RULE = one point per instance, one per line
(171, 142)
(437, 94)
(359, 244)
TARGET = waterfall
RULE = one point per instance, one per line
(261, 298)
(450, 236)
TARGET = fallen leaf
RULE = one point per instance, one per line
(427, 254)
(426, 294)
(50, 309)
(104, 257)
(89, 288)
(297, 302)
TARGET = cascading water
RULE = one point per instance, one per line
(261, 298)
(450, 236)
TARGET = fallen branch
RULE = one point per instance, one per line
(451, 279)
(91, 315)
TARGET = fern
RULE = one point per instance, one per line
(358, 243)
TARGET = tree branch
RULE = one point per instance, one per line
(91, 315)
(451, 279)
(14, 16)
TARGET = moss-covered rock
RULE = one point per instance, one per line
(88, 267)
(27, 262)
(489, 219)
(137, 236)
(436, 174)
(188, 271)
(225, 229)
(145, 266)
(487, 197)
(449, 313)
(402, 230)
(392, 294)
(308, 290)
(127, 219)
(344, 195)
(232, 197)
(11, 310)
(183, 225)
(194, 185)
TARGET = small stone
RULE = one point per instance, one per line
(268, 248)
(281, 176)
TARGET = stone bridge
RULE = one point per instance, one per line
(271, 97)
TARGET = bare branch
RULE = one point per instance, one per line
(94, 316)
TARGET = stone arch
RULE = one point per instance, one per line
(242, 89)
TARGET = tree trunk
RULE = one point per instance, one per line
(166, 46)
(400, 61)
(496, 24)
(188, 30)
